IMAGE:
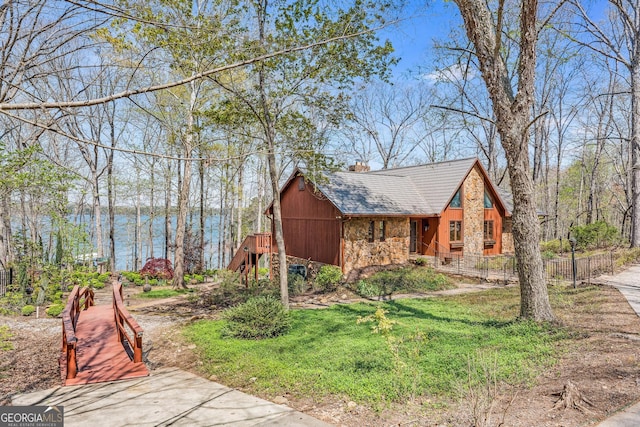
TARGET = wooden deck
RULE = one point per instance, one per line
(101, 354)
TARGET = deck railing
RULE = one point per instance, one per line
(132, 336)
(79, 299)
(6, 279)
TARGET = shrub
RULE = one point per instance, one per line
(297, 284)
(368, 290)
(157, 267)
(96, 284)
(421, 261)
(54, 310)
(28, 310)
(556, 246)
(597, 234)
(328, 277)
(259, 317)
(407, 279)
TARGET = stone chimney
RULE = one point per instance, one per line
(359, 167)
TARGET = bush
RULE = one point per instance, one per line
(328, 277)
(159, 268)
(297, 284)
(421, 261)
(368, 290)
(406, 279)
(556, 246)
(28, 310)
(55, 310)
(96, 284)
(259, 317)
(595, 235)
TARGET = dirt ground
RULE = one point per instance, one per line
(603, 363)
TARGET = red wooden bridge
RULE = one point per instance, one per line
(99, 342)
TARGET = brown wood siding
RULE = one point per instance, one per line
(311, 224)
(449, 214)
(494, 215)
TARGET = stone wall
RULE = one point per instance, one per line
(473, 218)
(507, 237)
(360, 253)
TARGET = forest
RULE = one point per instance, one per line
(185, 110)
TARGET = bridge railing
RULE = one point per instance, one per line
(133, 334)
(79, 299)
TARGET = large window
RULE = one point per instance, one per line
(456, 201)
(455, 231)
(488, 231)
(381, 230)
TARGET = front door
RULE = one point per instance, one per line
(413, 237)
(429, 235)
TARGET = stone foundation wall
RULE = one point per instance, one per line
(507, 237)
(473, 217)
(312, 266)
(360, 253)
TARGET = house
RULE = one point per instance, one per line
(363, 218)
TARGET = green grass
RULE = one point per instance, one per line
(164, 293)
(328, 352)
(5, 336)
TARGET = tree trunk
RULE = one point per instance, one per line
(635, 149)
(183, 196)
(513, 114)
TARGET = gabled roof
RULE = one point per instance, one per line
(423, 190)
(437, 182)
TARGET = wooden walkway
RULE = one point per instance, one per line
(101, 352)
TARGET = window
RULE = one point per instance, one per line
(488, 203)
(372, 227)
(381, 230)
(488, 230)
(456, 201)
(301, 183)
(455, 231)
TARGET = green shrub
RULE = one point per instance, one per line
(328, 277)
(259, 317)
(595, 235)
(548, 255)
(407, 279)
(54, 310)
(421, 261)
(28, 310)
(96, 284)
(297, 284)
(104, 277)
(368, 290)
(556, 246)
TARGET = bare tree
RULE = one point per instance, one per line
(617, 39)
(512, 109)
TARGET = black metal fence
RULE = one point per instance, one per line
(504, 267)
(6, 279)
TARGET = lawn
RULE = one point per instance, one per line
(435, 347)
(163, 293)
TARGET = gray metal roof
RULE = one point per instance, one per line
(436, 182)
(357, 193)
(414, 190)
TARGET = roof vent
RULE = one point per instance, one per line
(359, 167)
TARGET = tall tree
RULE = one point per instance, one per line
(618, 39)
(513, 112)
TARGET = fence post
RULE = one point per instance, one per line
(589, 268)
(611, 258)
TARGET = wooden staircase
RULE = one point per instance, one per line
(249, 253)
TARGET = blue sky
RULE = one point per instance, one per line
(413, 38)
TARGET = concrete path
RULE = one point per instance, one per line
(168, 397)
(628, 283)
